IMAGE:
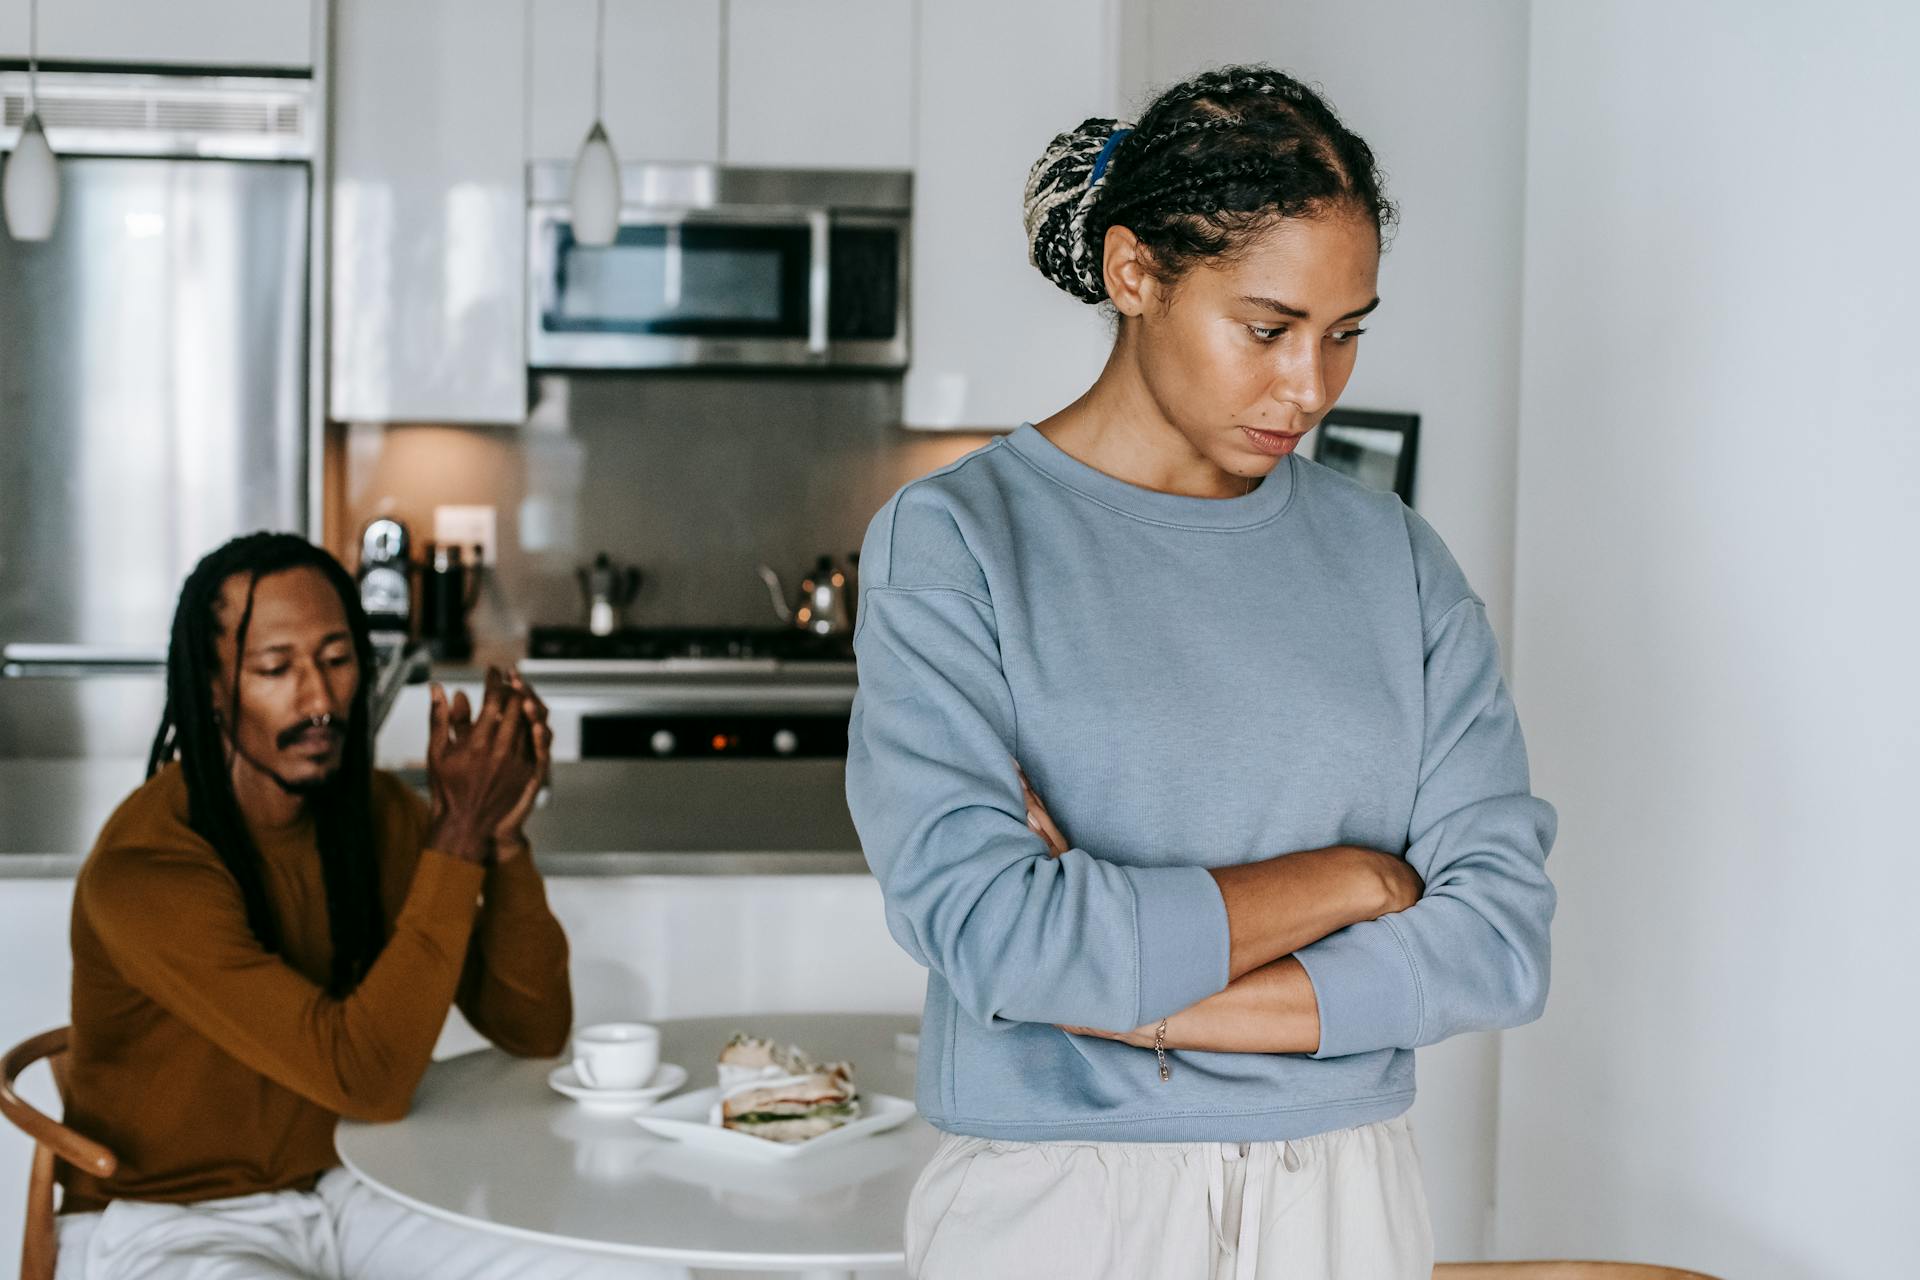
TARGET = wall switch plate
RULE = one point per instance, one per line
(468, 526)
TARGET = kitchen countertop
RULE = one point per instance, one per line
(603, 817)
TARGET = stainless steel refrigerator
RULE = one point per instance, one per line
(154, 366)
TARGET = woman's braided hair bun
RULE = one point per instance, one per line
(1061, 189)
(1213, 161)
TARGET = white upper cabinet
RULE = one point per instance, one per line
(199, 33)
(994, 343)
(429, 211)
(662, 97)
(824, 83)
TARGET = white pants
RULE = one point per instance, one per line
(341, 1230)
(1345, 1205)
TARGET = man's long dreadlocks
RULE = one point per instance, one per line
(342, 807)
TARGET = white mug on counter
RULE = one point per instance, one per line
(616, 1055)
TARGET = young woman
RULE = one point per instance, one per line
(1262, 701)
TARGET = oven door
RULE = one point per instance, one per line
(711, 286)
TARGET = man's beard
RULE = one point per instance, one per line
(310, 787)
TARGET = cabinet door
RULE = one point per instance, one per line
(994, 343)
(200, 33)
(821, 83)
(429, 212)
(662, 98)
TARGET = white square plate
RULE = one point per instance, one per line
(684, 1119)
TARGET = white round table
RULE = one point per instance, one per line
(489, 1145)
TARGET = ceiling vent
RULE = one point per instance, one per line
(108, 114)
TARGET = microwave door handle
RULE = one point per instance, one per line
(818, 225)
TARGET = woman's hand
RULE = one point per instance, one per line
(1271, 1010)
(1139, 1037)
(1038, 819)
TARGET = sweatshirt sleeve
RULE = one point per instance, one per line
(1472, 954)
(174, 926)
(970, 891)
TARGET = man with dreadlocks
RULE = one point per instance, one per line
(269, 933)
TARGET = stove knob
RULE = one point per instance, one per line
(785, 742)
(663, 743)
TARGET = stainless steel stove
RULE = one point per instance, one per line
(720, 645)
(701, 692)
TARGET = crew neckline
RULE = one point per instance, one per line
(288, 839)
(1264, 504)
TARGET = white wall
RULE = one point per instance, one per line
(1719, 509)
(1439, 93)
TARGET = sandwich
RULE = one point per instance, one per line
(780, 1094)
(793, 1108)
(748, 1057)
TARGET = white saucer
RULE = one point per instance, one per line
(668, 1077)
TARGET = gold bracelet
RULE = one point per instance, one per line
(1160, 1049)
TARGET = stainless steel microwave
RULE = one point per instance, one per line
(717, 266)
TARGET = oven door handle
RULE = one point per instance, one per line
(820, 227)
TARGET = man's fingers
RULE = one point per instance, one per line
(538, 710)
(436, 725)
(506, 729)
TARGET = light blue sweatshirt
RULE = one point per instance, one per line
(1189, 683)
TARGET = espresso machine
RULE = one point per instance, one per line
(385, 575)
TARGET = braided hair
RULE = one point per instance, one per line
(1212, 161)
(342, 806)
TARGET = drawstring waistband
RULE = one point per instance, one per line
(1253, 1188)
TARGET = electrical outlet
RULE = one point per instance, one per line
(469, 526)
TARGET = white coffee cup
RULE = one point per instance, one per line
(616, 1055)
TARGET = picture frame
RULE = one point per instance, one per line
(1379, 449)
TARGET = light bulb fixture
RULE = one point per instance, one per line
(30, 190)
(595, 192)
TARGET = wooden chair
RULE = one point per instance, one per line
(1561, 1271)
(52, 1141)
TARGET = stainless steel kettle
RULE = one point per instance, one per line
(825, 602)
(606, 588)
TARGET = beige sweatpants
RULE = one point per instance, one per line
(1345, 1205)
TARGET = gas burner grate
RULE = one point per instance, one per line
(657, 644)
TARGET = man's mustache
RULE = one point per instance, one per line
(335, 729)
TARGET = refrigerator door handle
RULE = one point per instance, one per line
(68, 661)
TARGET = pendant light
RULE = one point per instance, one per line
(30, 190)
(596, 170)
